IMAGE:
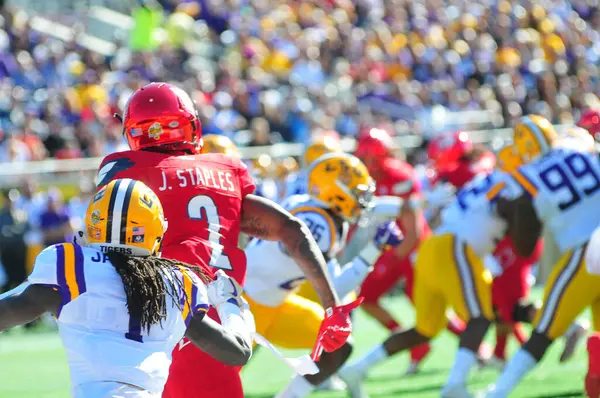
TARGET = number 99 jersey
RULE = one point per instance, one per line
(564, 185)
(272, 273)
(472, 214)
(202, 200)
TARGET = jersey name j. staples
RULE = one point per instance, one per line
(216, 179)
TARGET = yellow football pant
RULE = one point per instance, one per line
(293, 324)
(569, 290)
(448, 273)
(307, 291)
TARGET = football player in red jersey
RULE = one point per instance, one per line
(207, 201)
(509, 291)
(456, 160)
(398, 178)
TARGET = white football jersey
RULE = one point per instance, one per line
(565, 188)
(101, 340)
(472, 215)
(296, 184)
(272, 274)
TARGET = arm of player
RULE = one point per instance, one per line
(26, 303)
(524, 227)
(231, 341)
(266, 220)
(353, 274)
(410, 216)
(225, 345)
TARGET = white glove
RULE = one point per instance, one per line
(247, 316)
(80, 238)
(224, 290)
(440, 195)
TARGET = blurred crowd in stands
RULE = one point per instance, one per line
(265, 71)
(30, 220)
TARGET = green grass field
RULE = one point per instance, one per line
(33, 365)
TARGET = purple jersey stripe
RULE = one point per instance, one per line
(194, 298)
(60, 269)
(79, 275)
(61, 280)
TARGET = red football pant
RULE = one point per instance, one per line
(195, 374)
(592, 379)
(387, 272)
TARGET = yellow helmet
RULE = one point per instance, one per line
(125, 216)
(286, 166)
(533, 136)
(507, 160)
(214, 143)
(319, 147)
(341, 182)
(262, 167)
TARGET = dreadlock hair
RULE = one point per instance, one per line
(148, 282)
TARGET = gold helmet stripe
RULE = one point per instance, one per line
(545, 144)
(118, 208)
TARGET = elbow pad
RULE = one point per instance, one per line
(237, 320)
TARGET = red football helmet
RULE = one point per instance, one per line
(447, 149)
(590, 120)
(376, 143)
(160, 114)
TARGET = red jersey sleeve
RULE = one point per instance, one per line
(247, 185)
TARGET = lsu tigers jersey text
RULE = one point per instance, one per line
(472, 216)
(564, 185)
(102, 342)
(272, 273)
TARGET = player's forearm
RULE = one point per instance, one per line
(224, 345)
(411, 222)
(266, 220)
(17, 309)
(305, 251)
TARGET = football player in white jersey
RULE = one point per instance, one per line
(557, 187)
(449, 272)
(340, 191)
(121, 309)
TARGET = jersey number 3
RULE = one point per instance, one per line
(202, 207)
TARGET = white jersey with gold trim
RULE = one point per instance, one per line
(472, 214)
(564, 185)
(272, 274)
(103, 343)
